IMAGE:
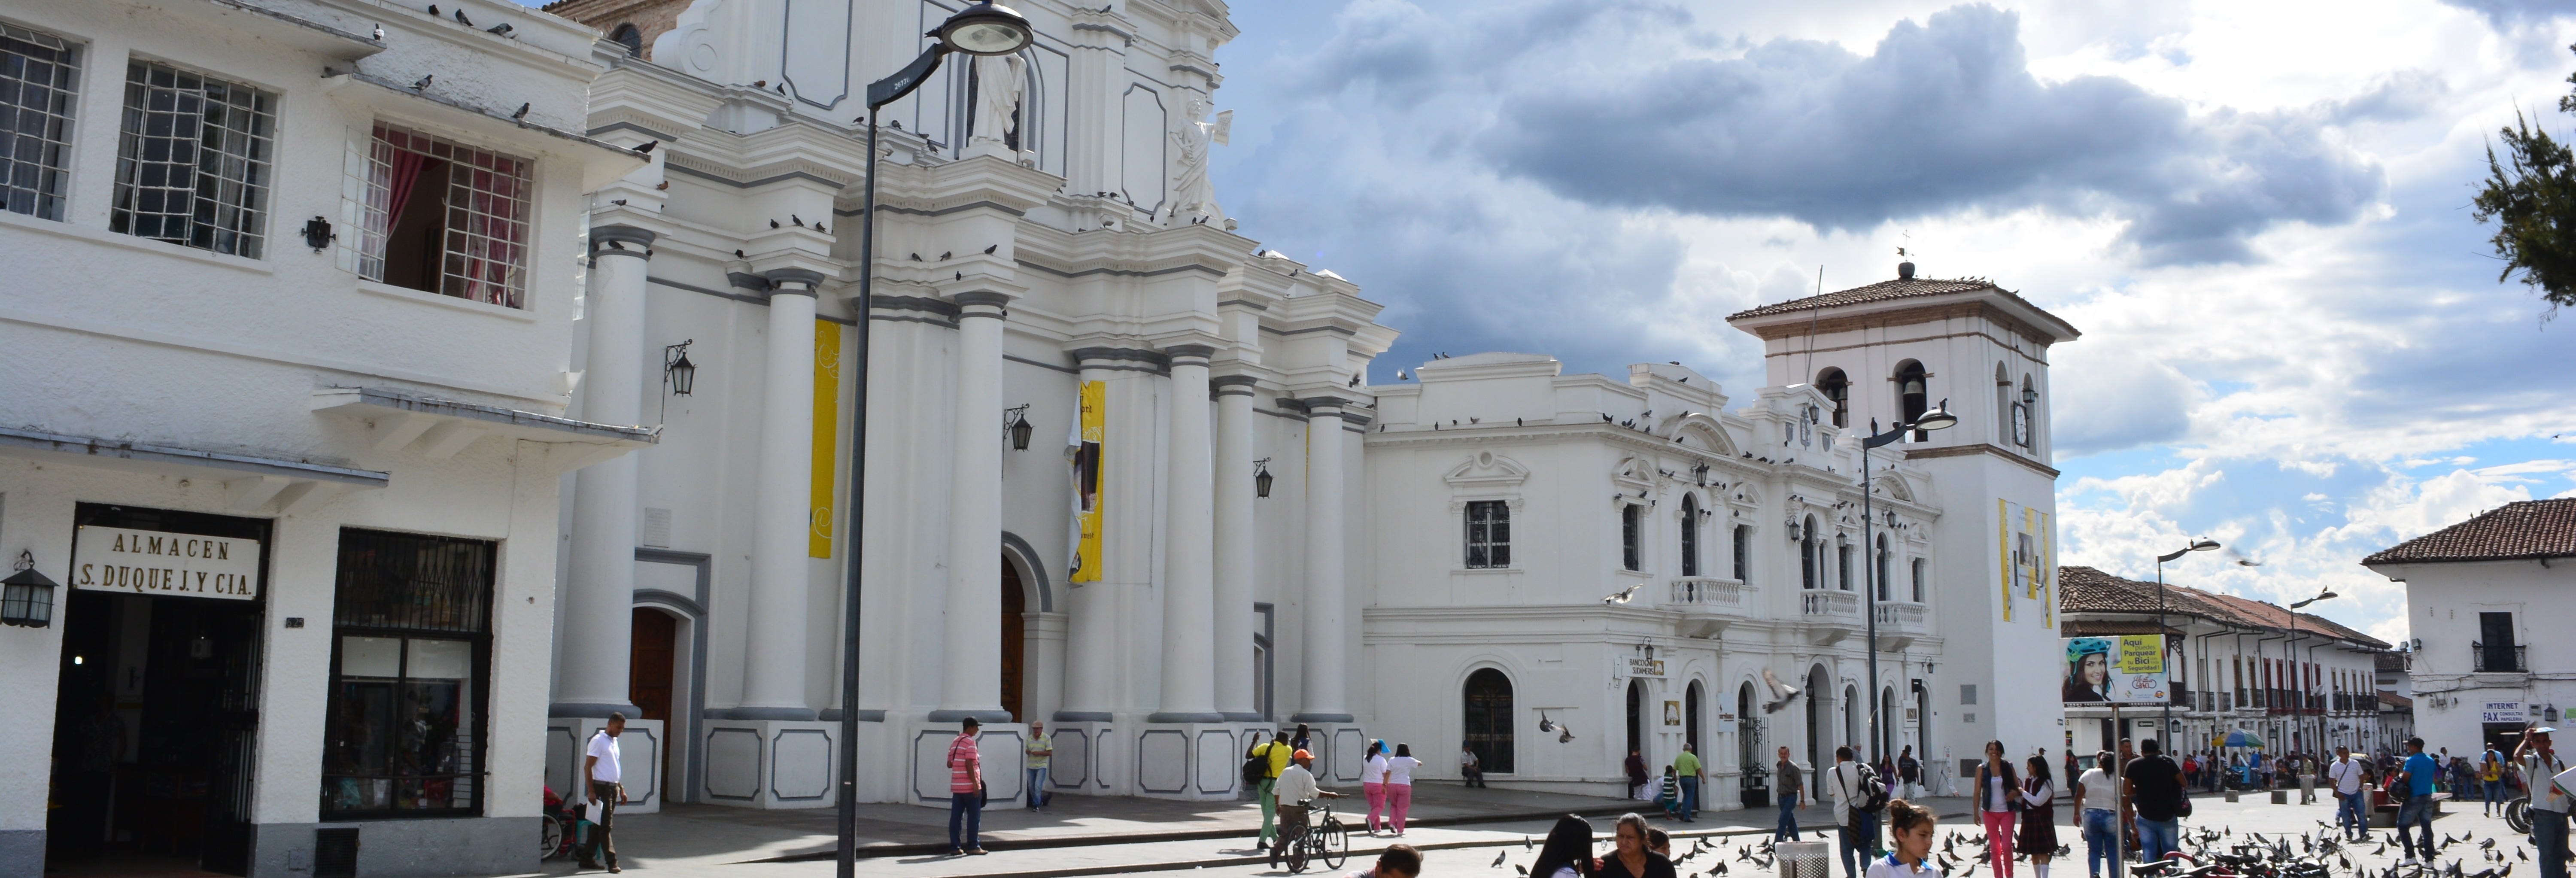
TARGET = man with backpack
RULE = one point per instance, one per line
(1261, 769)
(1859, 795)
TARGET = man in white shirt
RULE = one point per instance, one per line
(1296, 788)
(2346, 773)
(1859, 828)
(599, 764)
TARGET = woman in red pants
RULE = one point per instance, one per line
(1998, 793)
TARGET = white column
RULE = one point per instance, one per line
(1325, 634)
(1189, 568)
(971, 662)
(1234, 559)
(600, 599)
(773, 669)
(1091, 641)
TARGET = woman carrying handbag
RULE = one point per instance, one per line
(1998, 792)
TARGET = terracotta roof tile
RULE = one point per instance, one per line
(1900, 288)
(2087, 590)
(2528, 529)
(2392, 699)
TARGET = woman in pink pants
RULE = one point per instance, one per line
(1373, 782)
(1399, 784)
(1999, 800)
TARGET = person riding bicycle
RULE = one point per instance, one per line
(1296, 785)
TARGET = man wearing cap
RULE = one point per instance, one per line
(2417, 774)
(1296, 788)
(2549, 799)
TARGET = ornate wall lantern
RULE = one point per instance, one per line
(27, 596)
(1261, 477)
(1019, 428)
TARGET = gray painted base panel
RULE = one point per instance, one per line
(1320, 718)
(22, 852)
(982, 716)
(431, 848)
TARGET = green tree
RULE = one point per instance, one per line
(2530, 195)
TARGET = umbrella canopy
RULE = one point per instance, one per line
(2243, 739)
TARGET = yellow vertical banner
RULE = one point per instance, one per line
(827, 437)
(2003, 552)
(1091, 429)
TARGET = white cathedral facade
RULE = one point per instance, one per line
(1125, 473)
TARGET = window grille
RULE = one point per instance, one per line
(1743, 552)
(192, 165)
(39, 85)
(445, 218)
(1489, 534)
(1842, 565)
(1690, 536)
(409, 674)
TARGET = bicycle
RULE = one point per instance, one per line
(1327, 840)
(2517, 814)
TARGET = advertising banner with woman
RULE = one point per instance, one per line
(2126, 669)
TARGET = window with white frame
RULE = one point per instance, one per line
(1489, 534)
(1921, 570)
(39, 85)
(444, 218)
(1743, 551)
(1690, 536)
(192, 162)
(1842, 564)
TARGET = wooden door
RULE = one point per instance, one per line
(1014, 638)
(651, 653)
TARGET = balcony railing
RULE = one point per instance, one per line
(2502, 658)
(1826, 602)
(1901, 614)
(1708, 592)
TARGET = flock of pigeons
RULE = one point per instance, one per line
(2221, 852)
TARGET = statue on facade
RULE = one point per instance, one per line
(998, 84)
(1193, 195)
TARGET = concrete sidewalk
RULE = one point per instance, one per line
(687, 836)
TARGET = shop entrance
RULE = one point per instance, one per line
(156, 717)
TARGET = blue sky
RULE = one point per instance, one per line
(2256, 212)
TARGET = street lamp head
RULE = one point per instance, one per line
(986, 28)
(2327, 594)
(2205, 546)
(1939, 418)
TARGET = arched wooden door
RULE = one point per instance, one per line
(1691, 703)
(1015, 602)
(1488, 698)
(651, 665)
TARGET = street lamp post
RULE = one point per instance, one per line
(2298, 675)
(1873, 578)
(985, 28)
(2196, 546)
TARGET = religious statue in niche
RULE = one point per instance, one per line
(998, 86)
(1193, 195)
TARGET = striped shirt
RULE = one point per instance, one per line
(965, 769)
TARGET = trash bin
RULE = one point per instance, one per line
(1806, 859)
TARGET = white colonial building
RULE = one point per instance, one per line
(289, 301)
(2479, 596)
(2300, 682)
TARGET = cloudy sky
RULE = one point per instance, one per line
(2257, 213)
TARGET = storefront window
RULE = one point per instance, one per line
(405, 733)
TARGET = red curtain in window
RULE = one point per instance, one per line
(406, 166)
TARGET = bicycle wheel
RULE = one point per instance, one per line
(1298, 851)
(554, 839)
(2517, 814)
(1335, 843)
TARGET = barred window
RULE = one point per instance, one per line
(1489, 534)
(444, 218)
(1631, 537)
(405, 731)
(1743, 552)
(192, 167)
(39, 84)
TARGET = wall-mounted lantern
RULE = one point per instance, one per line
(1261, 477)
(317, 233)
(678, 374)
(27, 596)
(1016, 421)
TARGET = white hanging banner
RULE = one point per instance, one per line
(161, 563)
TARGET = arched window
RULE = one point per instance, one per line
(1637, 719)
(1885, 746)
(1853, 717)
(1748, 736)
(1488, 698)
(1743, 552)
(1913, 394)
(1809, 577)
(1818, 755)
(1837, 387)
(1920, 572)
(1690, 535)
(1886, 559)
(627, 35)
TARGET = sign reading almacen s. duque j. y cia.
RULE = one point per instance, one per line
(161, 563)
